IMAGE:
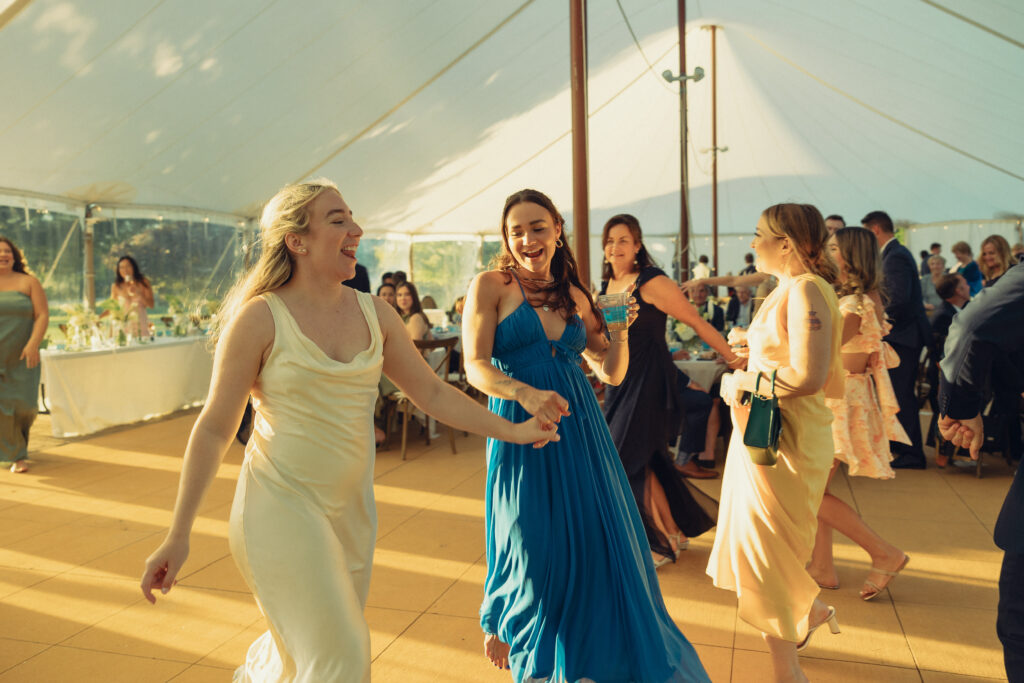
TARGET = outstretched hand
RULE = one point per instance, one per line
(162, 568)
(969, 433)
(690, 286)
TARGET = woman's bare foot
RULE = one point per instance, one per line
(496, 651)
(19, 467)
(825, 577)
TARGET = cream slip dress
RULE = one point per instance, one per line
(768, 516)
(303, 522)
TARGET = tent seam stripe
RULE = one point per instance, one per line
(879, 112)
(975, 24)
(76, 74)
(536, 154)
(376, 122)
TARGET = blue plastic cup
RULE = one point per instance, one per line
(613, 308)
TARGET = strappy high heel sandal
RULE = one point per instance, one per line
(680, 543)
(833, 626)
(658, 564)
(872, 589)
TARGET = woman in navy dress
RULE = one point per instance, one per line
(644, 412)
(571, 592)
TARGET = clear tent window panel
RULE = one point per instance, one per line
(51, 244)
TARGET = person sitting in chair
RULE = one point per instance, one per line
(741, 308)
(709, 311)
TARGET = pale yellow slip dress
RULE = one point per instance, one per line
(768, 516)
(303, 522)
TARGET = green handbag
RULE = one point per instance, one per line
(764, 426)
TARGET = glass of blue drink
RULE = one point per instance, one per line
(613, 307)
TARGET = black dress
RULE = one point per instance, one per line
(644, 414)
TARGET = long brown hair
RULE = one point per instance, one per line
(19, 261)
(629, 221)
(136, 273)
(804, 226)
(416, 307)
(557, 295)
(863, 260)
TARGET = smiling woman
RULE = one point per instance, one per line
(570, 592)
(310, 351)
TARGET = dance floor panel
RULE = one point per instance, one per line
(79, 526)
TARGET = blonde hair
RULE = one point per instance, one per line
(287, 213)
(863, 260)
(804, 226)
(1002, 251)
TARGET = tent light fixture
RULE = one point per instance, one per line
(698, 74)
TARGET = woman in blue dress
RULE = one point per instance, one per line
(571, 594)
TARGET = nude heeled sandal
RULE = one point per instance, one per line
(873, 588)
(833, 626)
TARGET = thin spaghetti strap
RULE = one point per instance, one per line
(518, 282)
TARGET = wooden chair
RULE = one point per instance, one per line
(399, 402)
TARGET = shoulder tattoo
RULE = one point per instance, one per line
(813, 324)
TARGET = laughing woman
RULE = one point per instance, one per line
(303, 523)
(24, 315)
(643, 413)
(571, 593)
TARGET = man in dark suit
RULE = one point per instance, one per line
(955, 293)
(988, 336)
(740, 310)
(709, 311)
(910, 332)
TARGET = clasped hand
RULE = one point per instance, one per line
(969, 433)
(547, 407)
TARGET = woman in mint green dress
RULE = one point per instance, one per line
(23, 318)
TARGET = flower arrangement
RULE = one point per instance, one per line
(82, 328)
(185, 316)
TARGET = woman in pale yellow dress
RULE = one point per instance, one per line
(303, 523)
(768, 515)
(865, 417)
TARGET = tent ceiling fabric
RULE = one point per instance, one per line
(428, 114)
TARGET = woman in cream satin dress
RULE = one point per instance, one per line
(768, 515)
(303, 523)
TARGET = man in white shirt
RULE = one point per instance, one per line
(702, 269)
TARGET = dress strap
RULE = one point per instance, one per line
(518, 282)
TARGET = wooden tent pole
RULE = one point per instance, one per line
(683, 248)
(580, 198)
(714, 151)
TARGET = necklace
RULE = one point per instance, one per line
(539, 281)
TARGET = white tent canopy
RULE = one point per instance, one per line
(428, 114)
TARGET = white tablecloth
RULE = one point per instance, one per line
(703, 372)
(92, 390)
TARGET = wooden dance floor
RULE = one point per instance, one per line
(77, 529)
